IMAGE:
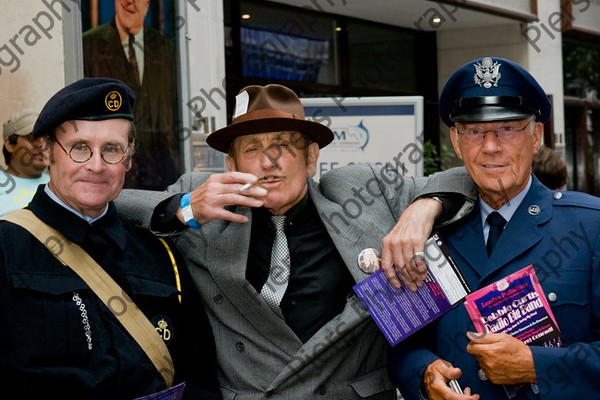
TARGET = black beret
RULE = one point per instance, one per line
(92, 99)
(492, 89)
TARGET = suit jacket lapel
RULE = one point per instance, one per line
(353, 314)
(152, 68)
(521, 233)
(231, 249)
(114, 55)
(467, 240)
(347, 241)
(351, 238)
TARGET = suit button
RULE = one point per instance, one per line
(218, 298)
(240, 346)
(321, 390)
(552, 297)
(269, 394)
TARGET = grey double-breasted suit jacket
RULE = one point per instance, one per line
(259, 356)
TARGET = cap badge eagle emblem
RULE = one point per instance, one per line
(487, 73)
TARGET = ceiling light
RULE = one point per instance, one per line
(245, 16)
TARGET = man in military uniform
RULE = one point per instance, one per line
(59, 340)
(496, 111)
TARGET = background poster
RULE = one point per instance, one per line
(387, 131)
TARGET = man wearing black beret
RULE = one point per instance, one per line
(496, 110)
(94, 308)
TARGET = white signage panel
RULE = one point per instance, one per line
(387, 131)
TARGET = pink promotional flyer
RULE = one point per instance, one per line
(515, 305)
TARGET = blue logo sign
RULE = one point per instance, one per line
(352, 137)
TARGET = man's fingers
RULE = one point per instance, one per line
(208, 201)
(483, 337)
(467, 392)
(234, 177)
(407, 279)
(414, 272)
(241, 200)
(390, 274)
(436, 380)
(418, 264)
(387, 264)
(250, 191)
(230, 216)
(236, 182)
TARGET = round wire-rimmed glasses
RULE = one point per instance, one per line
(80, 153)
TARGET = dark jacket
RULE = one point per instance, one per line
(59, 340)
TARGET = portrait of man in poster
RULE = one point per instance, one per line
(128, 49)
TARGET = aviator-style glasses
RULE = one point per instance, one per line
(80, 153)
(504, 133)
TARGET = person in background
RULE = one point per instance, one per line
(550, 168)
(496, 113)
(126, 49)
(25, 168)
(63, 341)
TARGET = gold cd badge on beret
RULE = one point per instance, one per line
(113, 100)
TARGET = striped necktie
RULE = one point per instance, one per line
(135, 70)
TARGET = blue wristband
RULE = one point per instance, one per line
(186, 210)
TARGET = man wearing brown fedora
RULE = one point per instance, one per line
(274, 254)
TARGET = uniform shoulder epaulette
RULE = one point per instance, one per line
(576, 199)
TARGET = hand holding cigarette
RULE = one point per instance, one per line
(245, 187)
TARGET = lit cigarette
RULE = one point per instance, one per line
(244, 188)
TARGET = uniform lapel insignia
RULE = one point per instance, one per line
(163, 327)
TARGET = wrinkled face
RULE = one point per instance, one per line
(500, 166)
(130, 14)
(89, 186)
(281, 161)
(26, 156)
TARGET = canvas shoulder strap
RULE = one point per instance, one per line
(128, 314)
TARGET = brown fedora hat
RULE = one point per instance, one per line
(271, 108)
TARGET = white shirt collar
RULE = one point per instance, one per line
(507, 210)
(54, 197)
(139, 39)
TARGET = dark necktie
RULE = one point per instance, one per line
(279, 273)
(133, 60)
(496, 222)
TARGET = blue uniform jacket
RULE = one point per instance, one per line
(560, 237)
